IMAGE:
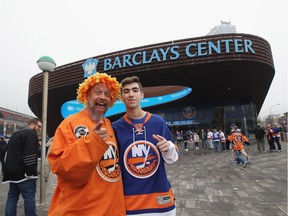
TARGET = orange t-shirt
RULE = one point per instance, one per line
(237, 140)
(89, 177)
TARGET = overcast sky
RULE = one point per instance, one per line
(71, 30)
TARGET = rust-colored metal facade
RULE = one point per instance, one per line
(217, 77)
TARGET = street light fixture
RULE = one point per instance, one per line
(271, 119)
(46, 64)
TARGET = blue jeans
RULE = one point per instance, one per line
(28, 191)
(217, 146)
(239, 158)
(204, 144)
(210, 142)
(277, 140)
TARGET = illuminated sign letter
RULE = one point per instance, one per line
(202, 46)
(248, 46)
(227, 45)
(134, 58)
(144, 58)
(154, 55)
(164, 53)
(175, 52)
(187, 50)
(211, 46)
(107, 64)
(237, 44)
(126, 60)
(117, 62)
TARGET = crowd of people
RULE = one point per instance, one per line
(234, 140)
(103, 168)
(203, 139)
(215, 139)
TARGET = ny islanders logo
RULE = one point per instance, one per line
(90, 67)
(189, 112)
(141, 159)
(108, 167)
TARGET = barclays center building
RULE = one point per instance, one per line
(202, 82)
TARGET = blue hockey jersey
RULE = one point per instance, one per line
(146, 187)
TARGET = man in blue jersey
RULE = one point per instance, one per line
(145, 145)
(216, 140)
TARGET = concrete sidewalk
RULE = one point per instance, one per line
(209, 184)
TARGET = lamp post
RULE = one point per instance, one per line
(271, 119)
(46, 64)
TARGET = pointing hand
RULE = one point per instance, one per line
(102, 132)
(162, 144)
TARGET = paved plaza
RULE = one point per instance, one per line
(209, 184)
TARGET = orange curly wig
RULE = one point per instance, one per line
(92, 80)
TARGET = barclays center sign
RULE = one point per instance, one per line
(170, 53)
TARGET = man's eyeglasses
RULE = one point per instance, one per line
(40, 126)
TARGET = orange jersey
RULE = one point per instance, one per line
(237, 139)
(89, 177)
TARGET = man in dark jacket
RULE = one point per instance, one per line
(259, 136)
(20, 168)
(3, 148)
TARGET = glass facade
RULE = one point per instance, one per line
(208, 116)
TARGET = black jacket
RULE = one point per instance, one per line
(259, 133)
(3, 148)
(22, 156)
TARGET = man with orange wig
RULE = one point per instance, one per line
(85, 156)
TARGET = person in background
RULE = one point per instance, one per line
(276, 136)
(270, 138)
(20, 168)
(243, 152)
(216, 140)
(85, 157)
(237, 139)
(3, 149)
(203, 138)
(245, 146)
(145, 146)
(222, 140)
(39, 145)
(50, 178)
(186, 137)
(196, 140)
(259, 136)
(210, 139)
(179, 137)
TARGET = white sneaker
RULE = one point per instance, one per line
(244, 165)
(248, 161)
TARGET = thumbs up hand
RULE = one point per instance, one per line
(162, 144)
(102, 132)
